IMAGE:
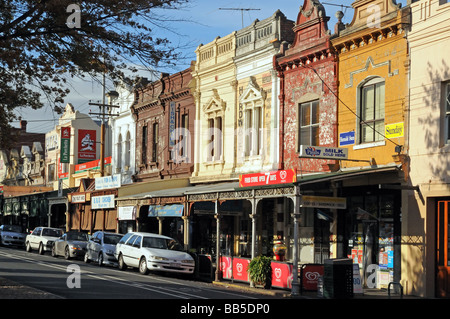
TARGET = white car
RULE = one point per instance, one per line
(150, 252)
(42, 239)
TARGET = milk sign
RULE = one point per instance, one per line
(324, 152)
(102, 202)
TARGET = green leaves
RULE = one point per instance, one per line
(260, 270)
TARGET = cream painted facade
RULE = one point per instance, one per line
(54, 170)
(258, 89)
(429, 146)
(214, 88)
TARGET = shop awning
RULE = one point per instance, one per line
(175, 210)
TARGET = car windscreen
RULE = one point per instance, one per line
(12, 228)
(111, 239)
(77, 236)
(51, 232)
(161, 243)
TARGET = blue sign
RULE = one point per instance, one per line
(175, 210)
(347, 138)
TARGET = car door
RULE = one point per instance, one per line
(127, 250)
(92, 246)
(60, 244)
(34, 238)
(135, 251)
(97, 245)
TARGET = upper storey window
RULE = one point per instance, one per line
(309, 123)
(371, 111)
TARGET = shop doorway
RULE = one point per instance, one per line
(443, 250)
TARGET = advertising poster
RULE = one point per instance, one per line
(226, 267)
(86, 145)
(65, 145)
(281, 275)
(240, 266)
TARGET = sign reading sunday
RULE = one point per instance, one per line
(268, 178)
(326, 152)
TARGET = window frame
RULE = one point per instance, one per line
(310, 126)
(377, 136)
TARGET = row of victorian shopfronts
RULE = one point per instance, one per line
(337, 215)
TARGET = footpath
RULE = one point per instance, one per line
(12, 290)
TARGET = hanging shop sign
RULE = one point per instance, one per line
(394, 130)
(86, 145)
(334, 153)
(324, 202)
(268, 178)
(107, 182)
(175, 210)
(102, 202)
(65, 145)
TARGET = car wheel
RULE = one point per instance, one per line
(54, 251)
(100, 259)
(41, 249)
(143, 269)
(122, 265)
(28, 247)
(86, 258)
(67, 253)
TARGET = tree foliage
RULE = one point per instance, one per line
(39, 52)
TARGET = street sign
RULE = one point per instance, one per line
(324, 202)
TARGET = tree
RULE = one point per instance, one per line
(43, 43)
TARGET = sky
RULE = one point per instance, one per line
(199, 22)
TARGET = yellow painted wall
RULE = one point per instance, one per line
(364, 54)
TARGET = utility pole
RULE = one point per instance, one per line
(242, 12)
(103, 114)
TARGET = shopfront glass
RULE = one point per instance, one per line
(370, 236)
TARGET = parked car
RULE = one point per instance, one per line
(71, 244)
(152, 252)
(12, 235)
(101, 248)
(42, 238)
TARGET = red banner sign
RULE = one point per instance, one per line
(268, 178)
(240, 266)
(310, 276)
(226, 267)
(281, 275)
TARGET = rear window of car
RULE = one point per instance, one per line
(52, 232)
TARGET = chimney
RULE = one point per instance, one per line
(23, 125)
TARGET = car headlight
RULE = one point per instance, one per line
(159, 258)
(187, 261)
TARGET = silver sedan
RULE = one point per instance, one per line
(71, 244)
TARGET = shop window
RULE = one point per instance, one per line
(309, 123)
(252, 133)
(371, 111)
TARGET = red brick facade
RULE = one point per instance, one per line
(160, 107)
(308, 72)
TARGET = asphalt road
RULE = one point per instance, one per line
(74, 279)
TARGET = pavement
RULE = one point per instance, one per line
(12, 290)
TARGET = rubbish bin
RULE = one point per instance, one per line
(338, 278)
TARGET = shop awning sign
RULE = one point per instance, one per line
(321, 152)
(102, 202)
(268, 178)
(175, 210)
(324, 202)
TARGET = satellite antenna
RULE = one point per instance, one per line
(242, 12)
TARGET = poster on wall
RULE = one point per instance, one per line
(86, 145)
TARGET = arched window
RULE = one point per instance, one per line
(371, 111)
